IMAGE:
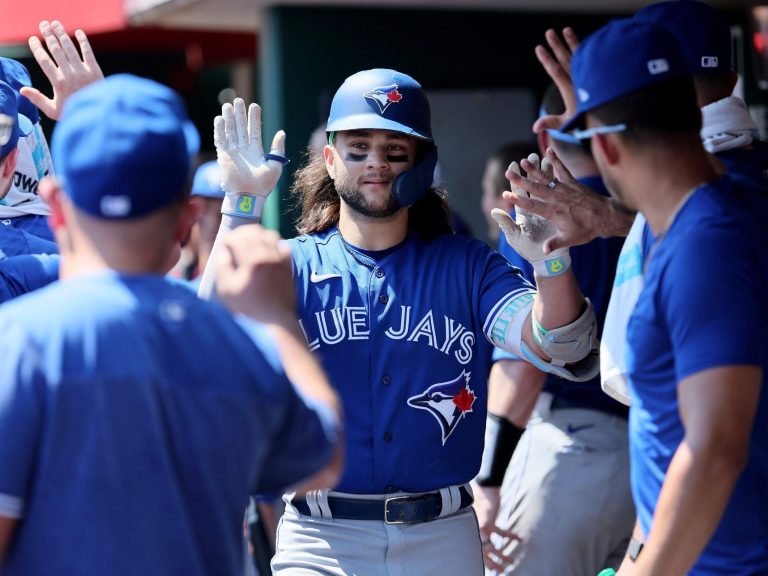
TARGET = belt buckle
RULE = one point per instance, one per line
(401, 518)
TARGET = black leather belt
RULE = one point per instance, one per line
(392, 510)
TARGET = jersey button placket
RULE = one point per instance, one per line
(386, 380)
(388, 436)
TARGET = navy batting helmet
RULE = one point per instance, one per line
(383, 99)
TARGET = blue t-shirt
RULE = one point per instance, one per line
(750, 161)
(703, 305)
(594, 265)
(16, 241)
(404, 339)
(34, 224)
(22, 274)
(136, 419)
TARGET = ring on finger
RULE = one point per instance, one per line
(553, 183)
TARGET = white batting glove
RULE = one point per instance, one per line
(527, 233)
(248, 175)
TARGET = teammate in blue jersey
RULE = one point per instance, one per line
(138, 418)
(727, 132)
(553, 514)
(22, 207)
(22, 274)
(15, 126)
(696, 370)
(403, 314)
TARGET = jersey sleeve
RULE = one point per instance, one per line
(21, 406)
(307, 436)
(22, 274)
(714, 304)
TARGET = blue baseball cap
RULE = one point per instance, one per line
(622, 57)
(16, 75)
(13, 125)
(381, 99)
(122, 147)
(207, 181)
(703, 33)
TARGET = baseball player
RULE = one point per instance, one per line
(403, 315)
(565, 495)
(728, 133)
(22, 207)
(15, 241)
(698, 419)
(142, 417)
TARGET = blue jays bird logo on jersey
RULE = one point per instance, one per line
(383, 96)
(448, 402)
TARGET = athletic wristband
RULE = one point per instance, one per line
(552, 266)
(243, 205)
(501, 438)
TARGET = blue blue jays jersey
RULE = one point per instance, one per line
(15, 241)
(136, 421)
(34, 224)
(703, 306)
(404, 339)
(594, 265)
(22, 274)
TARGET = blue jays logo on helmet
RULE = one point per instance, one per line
(384, 96)
(365, 102)
(448, 402)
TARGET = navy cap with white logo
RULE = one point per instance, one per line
(122, 147)
(703, 33)
(622, 57)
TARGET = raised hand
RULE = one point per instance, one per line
(245, 168)
(578, 214)
(65, 68)
(529, 232)
(557, 63)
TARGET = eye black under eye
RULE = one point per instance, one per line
(356, 157)
(397, 158)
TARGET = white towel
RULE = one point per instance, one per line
(727, 125)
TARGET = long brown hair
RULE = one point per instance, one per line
(315, 191)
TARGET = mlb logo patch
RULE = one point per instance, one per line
(709, 61)
(658, 66)
(384, 96)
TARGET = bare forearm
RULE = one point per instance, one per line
(617, 221)
(558, 303)
(301, 366)
(207, 288)
(693, 498)
(513, 388)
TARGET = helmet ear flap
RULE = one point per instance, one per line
(409, 186)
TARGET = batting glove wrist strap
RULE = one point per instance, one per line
(552, 266)
(243, 205)
(501, 439)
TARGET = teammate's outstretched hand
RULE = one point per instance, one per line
(245, 168)
(557, 64)
(65, 69)
(528, 232)
(254, 275)
(577, 213)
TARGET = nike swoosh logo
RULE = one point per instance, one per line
(315, 277)
(573, 429)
